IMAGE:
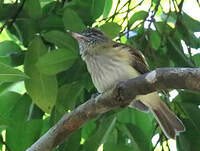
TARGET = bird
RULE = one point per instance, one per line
(109, 62)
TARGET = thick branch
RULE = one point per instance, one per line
(121, 95)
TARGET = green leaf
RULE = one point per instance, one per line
(88, 10)
(112, 140)
(6, 49)
(21, 136)
(184, 33)
(27, 29)
(77, 69)
(155, 39)
(163, 28)
(19, 113)
(141, 15)
(72, 143)
(7, 103)
(4, 86)
(62, 40)
(88, 129)
(138, 121)
(97, 8)
(42, 88)
(17, 58)
(72, 21)
(189, 140)
(190, 23)
(33, 8)
(186, 95)
(9, 74)
(7, 11)
(56, 61)
(174, 50)
(101, 134)
(51, 22)
(69, 95)
(107, 8)
(119, 147)
(50, 7)
(123, 128)
(196, 59)
(111, 29)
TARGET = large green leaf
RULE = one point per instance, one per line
(161, 27)
(72, 21)
(7, 11)
(9, 74)
(186, 95)
(7, 47)
(20, 113)
(26, 30)
(107, 8)
(7, 103)
(21, 136)
(72, 143)
(62, 40)
(97, 8)
(112, 140)
(135, 128)
(56, 61)
(111, 29)
(119, 147)
(88, 10)
(42, 88)
(33, 8)
(4, 86)
(189, 140)
(155, 39)
(101, 134)
(174, 50)
(190, 23)
(51, 22)
(141, 15)
(73, 75)
(69, 95)
(187, 35)
(196, 59)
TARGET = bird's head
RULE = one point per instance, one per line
(91, 40)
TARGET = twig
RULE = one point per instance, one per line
(167, 144)
(198, 2)
(4, 143)
(159, 140)
(118, 1)
(118, 12)
(175, 5)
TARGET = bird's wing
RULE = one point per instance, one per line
(139, 63)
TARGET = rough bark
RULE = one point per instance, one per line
(121, 95)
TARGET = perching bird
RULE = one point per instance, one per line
(109, 62)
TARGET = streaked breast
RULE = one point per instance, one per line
(109, 68)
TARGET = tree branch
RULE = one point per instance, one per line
(121, 95)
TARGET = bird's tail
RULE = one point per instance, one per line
(170, 124)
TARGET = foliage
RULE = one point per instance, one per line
(42, 76)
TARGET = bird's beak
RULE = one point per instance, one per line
(77, 36)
